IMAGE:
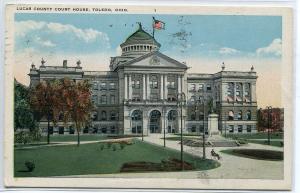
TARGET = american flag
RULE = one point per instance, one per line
(158, 24)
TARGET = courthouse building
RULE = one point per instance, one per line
(139, 94)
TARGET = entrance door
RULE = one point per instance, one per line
(155, 122)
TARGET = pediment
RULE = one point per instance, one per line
(155, 60)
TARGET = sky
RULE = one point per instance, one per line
(202, 41)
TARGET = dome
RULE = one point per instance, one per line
(139, 43)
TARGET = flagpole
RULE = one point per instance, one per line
(153, 27)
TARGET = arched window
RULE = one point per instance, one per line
(172, 115)
(193, 116)
(239, 115)
(103, 116)
(136, 115)
(248, 115)
(230, 115)
(95, 116)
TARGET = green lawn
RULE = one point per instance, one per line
(264, 142)
(259, 135)
(260, 154)
(177, 138)
(90, 159)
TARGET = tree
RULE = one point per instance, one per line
(78, 105)
(46, 100)
(23, 114)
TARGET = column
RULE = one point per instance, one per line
(147, 87)
(125, 87)
(130, 88)
(144, 87)
(161, 86)
(179, 84)
(165, 87)
(234, 91)
(163, 121)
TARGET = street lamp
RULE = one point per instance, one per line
(203, 134)
(181, 100)
(269, 117)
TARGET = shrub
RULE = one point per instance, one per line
(101, 147)
(108, 145)
(114, 148)
(30, 166)
(122, 145)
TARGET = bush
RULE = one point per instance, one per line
(108, 145)
(101, 147)
(30, 166)
(114, 148)
(122, 145)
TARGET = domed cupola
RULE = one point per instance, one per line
(139, 43)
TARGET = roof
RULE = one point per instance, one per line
(140, 37)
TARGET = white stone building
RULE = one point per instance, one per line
(139, 94)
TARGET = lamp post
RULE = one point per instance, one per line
(203, 134)
(269, 117)
(181, 101)
(163, 110)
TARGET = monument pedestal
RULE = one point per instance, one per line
(213, 124)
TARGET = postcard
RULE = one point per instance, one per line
(164, 97)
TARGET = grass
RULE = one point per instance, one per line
(259, 135)
(178, 138)
(276, 143)
(259, 154)
(90, 159)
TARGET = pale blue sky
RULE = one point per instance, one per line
(206, 35)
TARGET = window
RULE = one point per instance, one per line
(200, 87)
(113, 116)
(95, 130)
(103, 99)
(192, 87)
(104, 130)
(95, 116)
(136, 115)
(193, 99)
(103, 86)
(103, 116)
(208, 87)
(238, 93)
(154, 82)
(201, 116)
(71, 130)
(171, 97)
(86, 130)
(193, 129)
(112, 86)
(249, 128)
(239, 115)
(113, 129)
(231, 128)
(193, 116)
(171, 84)
(112, 99)
(230, 115)
(172, 115)
(248, 115)
(240, 128)
(61, 130)
(135, 84)
(95, 86)
(94, 98)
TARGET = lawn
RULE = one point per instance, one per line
(178, 138)
(260, 154)
(259, 135)
(90, 159)
(276, 143)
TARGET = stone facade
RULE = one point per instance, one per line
(139, 95)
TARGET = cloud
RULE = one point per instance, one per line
(274, 49)
(64, 37)
(228, 51)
